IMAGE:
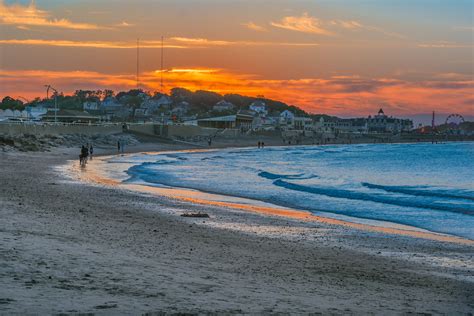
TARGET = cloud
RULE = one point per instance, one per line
(312, 25)
(255, 27)
(304, 23)
(444, 44)
(174, 42)
(351, 25)
(89, 44)
(30, 15)
(203, 42)
(124, 24)
(338, 95)
(356, 25)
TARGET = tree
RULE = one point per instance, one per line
(13, 104)
(181, 94)
(205, 100)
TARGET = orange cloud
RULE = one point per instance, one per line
(89, 44)
(174, 42)
(255, 27)
(304, 23)
(339, 95)
(30, 15)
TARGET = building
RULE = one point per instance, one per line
(114, 110)
(181, 109)
(240, 121)
(259, 107)
(223, 106)
(70, 116)
(152, 105)
(91, 106)
(381, 123)
(301, 123)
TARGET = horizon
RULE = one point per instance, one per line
(331, 57)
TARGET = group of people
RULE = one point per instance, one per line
(261, 144)
(86, 152)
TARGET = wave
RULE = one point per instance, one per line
(274, 176)
(351, 195)
(418, 191)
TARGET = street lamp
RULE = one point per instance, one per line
(48, 87)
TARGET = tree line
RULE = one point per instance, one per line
(200, 101)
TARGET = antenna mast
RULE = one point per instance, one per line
(161, 72)
(138, 63)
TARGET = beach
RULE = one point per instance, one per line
(76, 246)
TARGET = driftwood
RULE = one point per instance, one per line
(201, 215)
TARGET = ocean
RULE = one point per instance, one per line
(427, 186)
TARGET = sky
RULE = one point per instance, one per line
(340, 57)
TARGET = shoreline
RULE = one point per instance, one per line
(99, 175)
(73, 247)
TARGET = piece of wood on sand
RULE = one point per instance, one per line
(199, 215)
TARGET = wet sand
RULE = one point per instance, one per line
(71, 246)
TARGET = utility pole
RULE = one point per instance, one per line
(161, 72)
(138, 63)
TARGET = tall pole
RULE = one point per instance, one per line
(138, 63)
(55, 107)
(161, 72)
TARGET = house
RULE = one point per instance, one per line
(112, 109)
(152, 105)
(91, 106)
(301, 123)
(287, 116)
(223, 106)
(36, 112)
(181, 109)
(259, 107)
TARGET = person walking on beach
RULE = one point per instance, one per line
(122, 146)
(262, 144)
(83, 155)
(258, 144)
(118, 147)
(91, 151)
(209, 141)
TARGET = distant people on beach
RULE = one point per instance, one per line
(258, 144)
(83, 155)
(262, 144)
(91, 151)
(209, 141)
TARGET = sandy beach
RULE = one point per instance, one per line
(73, 246)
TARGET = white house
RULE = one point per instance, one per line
(36, 112)
(91, 106)
(222, 106)
(287, 115)
(259, 107)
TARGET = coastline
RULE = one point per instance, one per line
(72, 247)
(97, 172)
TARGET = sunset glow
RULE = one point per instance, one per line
(326, 57)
